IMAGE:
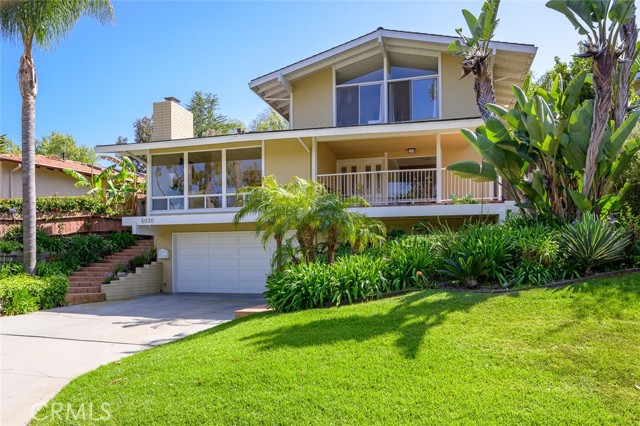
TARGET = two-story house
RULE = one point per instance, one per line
(378, 116)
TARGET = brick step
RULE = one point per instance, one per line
(90, 289)
(85, 284)
(77, 298)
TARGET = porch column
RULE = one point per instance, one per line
(438, 169)
(314, 159)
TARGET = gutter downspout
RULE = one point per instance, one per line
(18, 167)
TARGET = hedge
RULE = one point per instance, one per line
(23, 293)
(55, 205)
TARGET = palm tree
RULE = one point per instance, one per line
(475, 52)
(43, 23)
(273, 205)
(336, 221)
(368, 231)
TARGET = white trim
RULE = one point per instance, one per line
(262, 146)
(438, 168)
(491, 209)
(385, 85)
(224, 179)
(323, 135)
(174, 262)
(334, 97)
(402, 35)
(431, 210)
(440, 85)
(284, 83)
(314, 159)
(291, 111)
(149, 185)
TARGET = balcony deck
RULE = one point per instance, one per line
(410, 187)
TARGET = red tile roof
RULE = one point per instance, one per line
(53, 162)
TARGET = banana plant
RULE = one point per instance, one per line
(539, 149)
(609, 28)
(475, 51)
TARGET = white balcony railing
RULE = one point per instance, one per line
(391, 187)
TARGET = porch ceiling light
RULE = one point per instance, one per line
(411, 150)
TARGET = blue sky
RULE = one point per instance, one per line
(98, 80)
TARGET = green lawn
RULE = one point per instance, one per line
(544, 357)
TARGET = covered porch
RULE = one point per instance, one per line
(401, 170)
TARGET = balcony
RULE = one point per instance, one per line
(406, 187)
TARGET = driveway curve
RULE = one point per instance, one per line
(43, 351)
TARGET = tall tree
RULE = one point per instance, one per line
(207, 121)
(143, 129)
(267, 121)
(7, 146)
(475, 52)
(122, 140)
(64, 146)
(602, 23)
(41, 23)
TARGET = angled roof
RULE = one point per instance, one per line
(511, 62)
(55, 163)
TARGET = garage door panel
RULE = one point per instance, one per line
(222, 251)
(233, 262)
(194, 239)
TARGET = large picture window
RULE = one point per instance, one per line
(411, 95)
(213, 178)
(167, 182)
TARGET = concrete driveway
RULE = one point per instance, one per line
(41, 352)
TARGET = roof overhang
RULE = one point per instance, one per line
(325, 134)
(511, 63)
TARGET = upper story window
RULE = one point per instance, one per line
(412, 90)
(210, 181)
(359, 93)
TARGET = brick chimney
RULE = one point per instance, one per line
(171, 121)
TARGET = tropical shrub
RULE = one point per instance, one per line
(594, 242)
(24, 293)
(478, 253)
(57, 206)
(356, 278)
(8, 246)
(411, 260)
(302, 286)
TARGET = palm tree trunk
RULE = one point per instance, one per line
(603, 74)
(332, 241)
(483, 86)
(629, 36)
(28, 82)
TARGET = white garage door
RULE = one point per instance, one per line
(220, 262)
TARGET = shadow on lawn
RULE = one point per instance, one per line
(411, 320)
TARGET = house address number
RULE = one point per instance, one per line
(146, 220)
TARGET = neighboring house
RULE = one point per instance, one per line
(379, 116)
(50, 177)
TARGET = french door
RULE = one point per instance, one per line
(363, 177)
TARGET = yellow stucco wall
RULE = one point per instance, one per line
(313, 100)
(326, 159)
(458, 99)
(285, 158)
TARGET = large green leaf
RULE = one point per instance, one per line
(471, 20)
(473, 170)
(621, 11)
(487, 21)
(562, 7)
(572, 93)
(583, 204)
(635, 67)
(496, 131)
(621, 134)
